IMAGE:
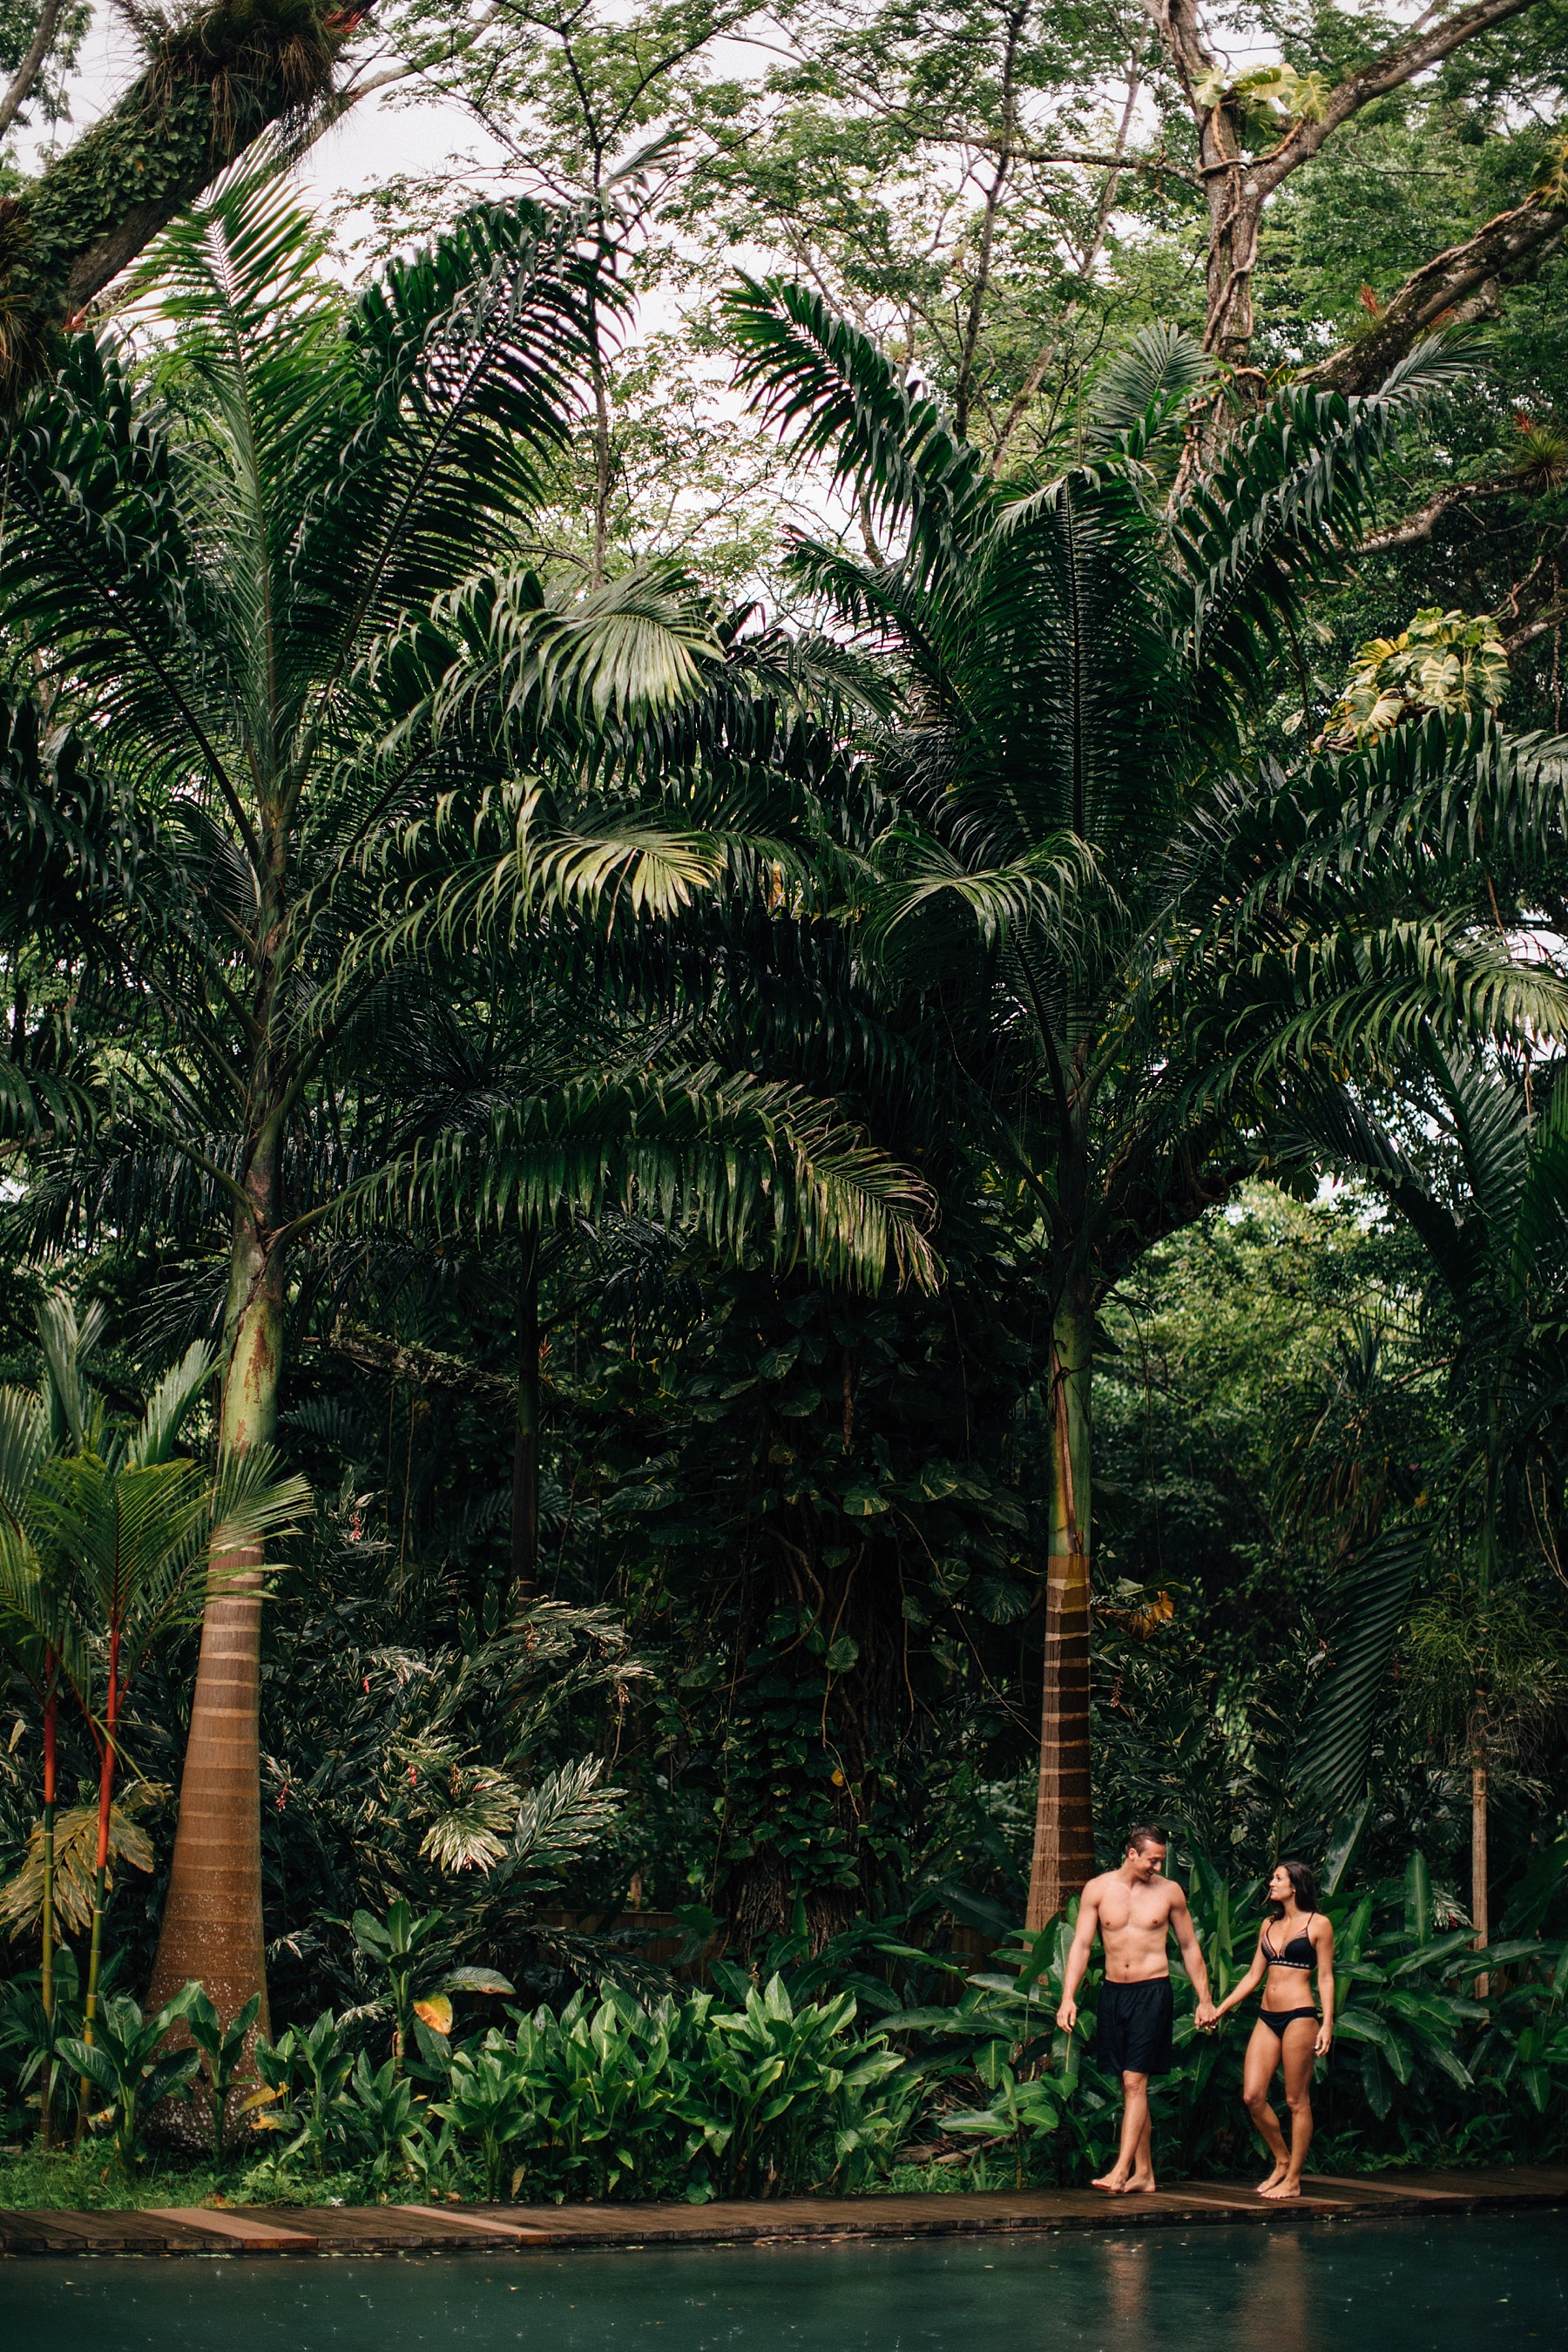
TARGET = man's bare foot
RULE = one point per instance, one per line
(1283, 2188)
(1266, 2188)
(1145, 2182)
(1110, 2184)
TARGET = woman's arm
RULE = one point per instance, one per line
(1254, 1976)
(1323, 1940)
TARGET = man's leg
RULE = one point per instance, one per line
(1143, 2175)
(1134, 2129)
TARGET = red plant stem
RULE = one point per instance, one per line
(106, 1750)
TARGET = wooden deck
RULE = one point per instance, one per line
(521, 2228)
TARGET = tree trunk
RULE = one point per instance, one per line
(1064, 1819)
(1235, 212)
(212, 1928)
(47, 1971)
(1480, 1910)
(213, 83)
(525, 1449)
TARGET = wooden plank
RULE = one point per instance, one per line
(245, 2231)
(1374, 2189)
(368, 2230)
(467, 2217)
(41, 2233)
(139, 2231)
(1251, 2202)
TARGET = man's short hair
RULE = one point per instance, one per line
(1146, 1834)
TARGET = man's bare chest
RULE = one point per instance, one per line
(1122, 1914)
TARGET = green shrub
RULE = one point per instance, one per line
(611, 2098)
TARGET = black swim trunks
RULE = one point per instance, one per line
(1134, 2028)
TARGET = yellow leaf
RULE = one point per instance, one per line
(436, 2012)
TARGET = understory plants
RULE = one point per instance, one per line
(698, 2096)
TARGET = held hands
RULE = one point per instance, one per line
(1208, 2016)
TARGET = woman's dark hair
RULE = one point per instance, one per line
(1303, 1885)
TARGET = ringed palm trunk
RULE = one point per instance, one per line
(212, 1928)
(1064, 1819)
(1481, 1903)
(525, 1447)
(46, 1967)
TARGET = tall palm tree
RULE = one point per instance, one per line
(1129, 935)
(219, 558)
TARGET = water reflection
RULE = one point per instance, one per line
(1128, 2292)
(1276, 2303)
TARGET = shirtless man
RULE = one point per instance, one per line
(1135, 1909)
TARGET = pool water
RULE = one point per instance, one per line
(1449, 2285)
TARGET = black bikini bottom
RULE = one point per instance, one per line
(1277, 2020)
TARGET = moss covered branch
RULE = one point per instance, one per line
(213, 80)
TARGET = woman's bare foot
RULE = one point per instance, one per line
(1282, 2188)
(1267, 2187)
(1114, 2183)
(1145, 2182)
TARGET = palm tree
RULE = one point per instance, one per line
(226, 558)
(106, 1542)
(1129, 936)
(141, 1540)
(1490, 1209)
(39, 1628)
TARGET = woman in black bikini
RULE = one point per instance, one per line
(1289, 2032)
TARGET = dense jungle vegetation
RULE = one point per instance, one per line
(785, 888)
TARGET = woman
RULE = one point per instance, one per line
(1288, 2030)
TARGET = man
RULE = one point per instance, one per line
(1135, 1909)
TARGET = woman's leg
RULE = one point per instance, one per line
(1300, 2044)
(1262, 2057)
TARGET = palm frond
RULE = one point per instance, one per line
(1372, 1602)
(1144, 386)
(818, 378)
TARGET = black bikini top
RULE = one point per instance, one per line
(1298, 1952)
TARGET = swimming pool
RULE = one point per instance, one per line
(1454, 2285)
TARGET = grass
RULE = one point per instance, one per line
(91, 2181)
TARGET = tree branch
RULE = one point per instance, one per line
(414, 1366)
(1419, 527)
(1391, 71)
(32, 64)
(1450, 289)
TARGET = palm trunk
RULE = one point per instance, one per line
(46, 1968)
(525, 1449)
(1479, 1871)
(1064, 1819)
(212, 1929)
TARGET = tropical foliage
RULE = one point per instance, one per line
(782, 1107)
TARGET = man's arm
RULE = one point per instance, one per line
(1191, 1954)
(1077, 1957)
